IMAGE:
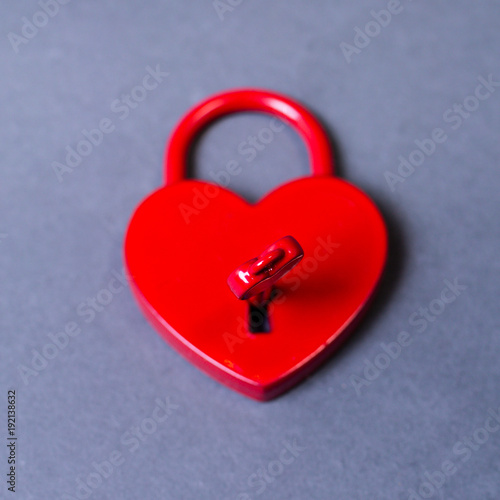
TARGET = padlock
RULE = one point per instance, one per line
(255, 295)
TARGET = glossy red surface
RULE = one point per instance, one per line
(186, 238)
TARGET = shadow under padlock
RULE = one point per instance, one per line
(297, 300)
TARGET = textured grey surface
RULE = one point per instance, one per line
(61, 244)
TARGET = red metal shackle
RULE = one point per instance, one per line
(219, 105)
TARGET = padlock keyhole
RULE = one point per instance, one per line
(258, 317)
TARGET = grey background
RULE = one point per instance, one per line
(61, 241)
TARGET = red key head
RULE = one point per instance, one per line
(259, 274)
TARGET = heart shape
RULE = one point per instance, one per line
(179, 265)
(185, 239)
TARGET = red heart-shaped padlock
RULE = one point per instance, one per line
(188, 237)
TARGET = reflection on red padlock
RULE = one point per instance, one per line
(256, 276)
(179, 265)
